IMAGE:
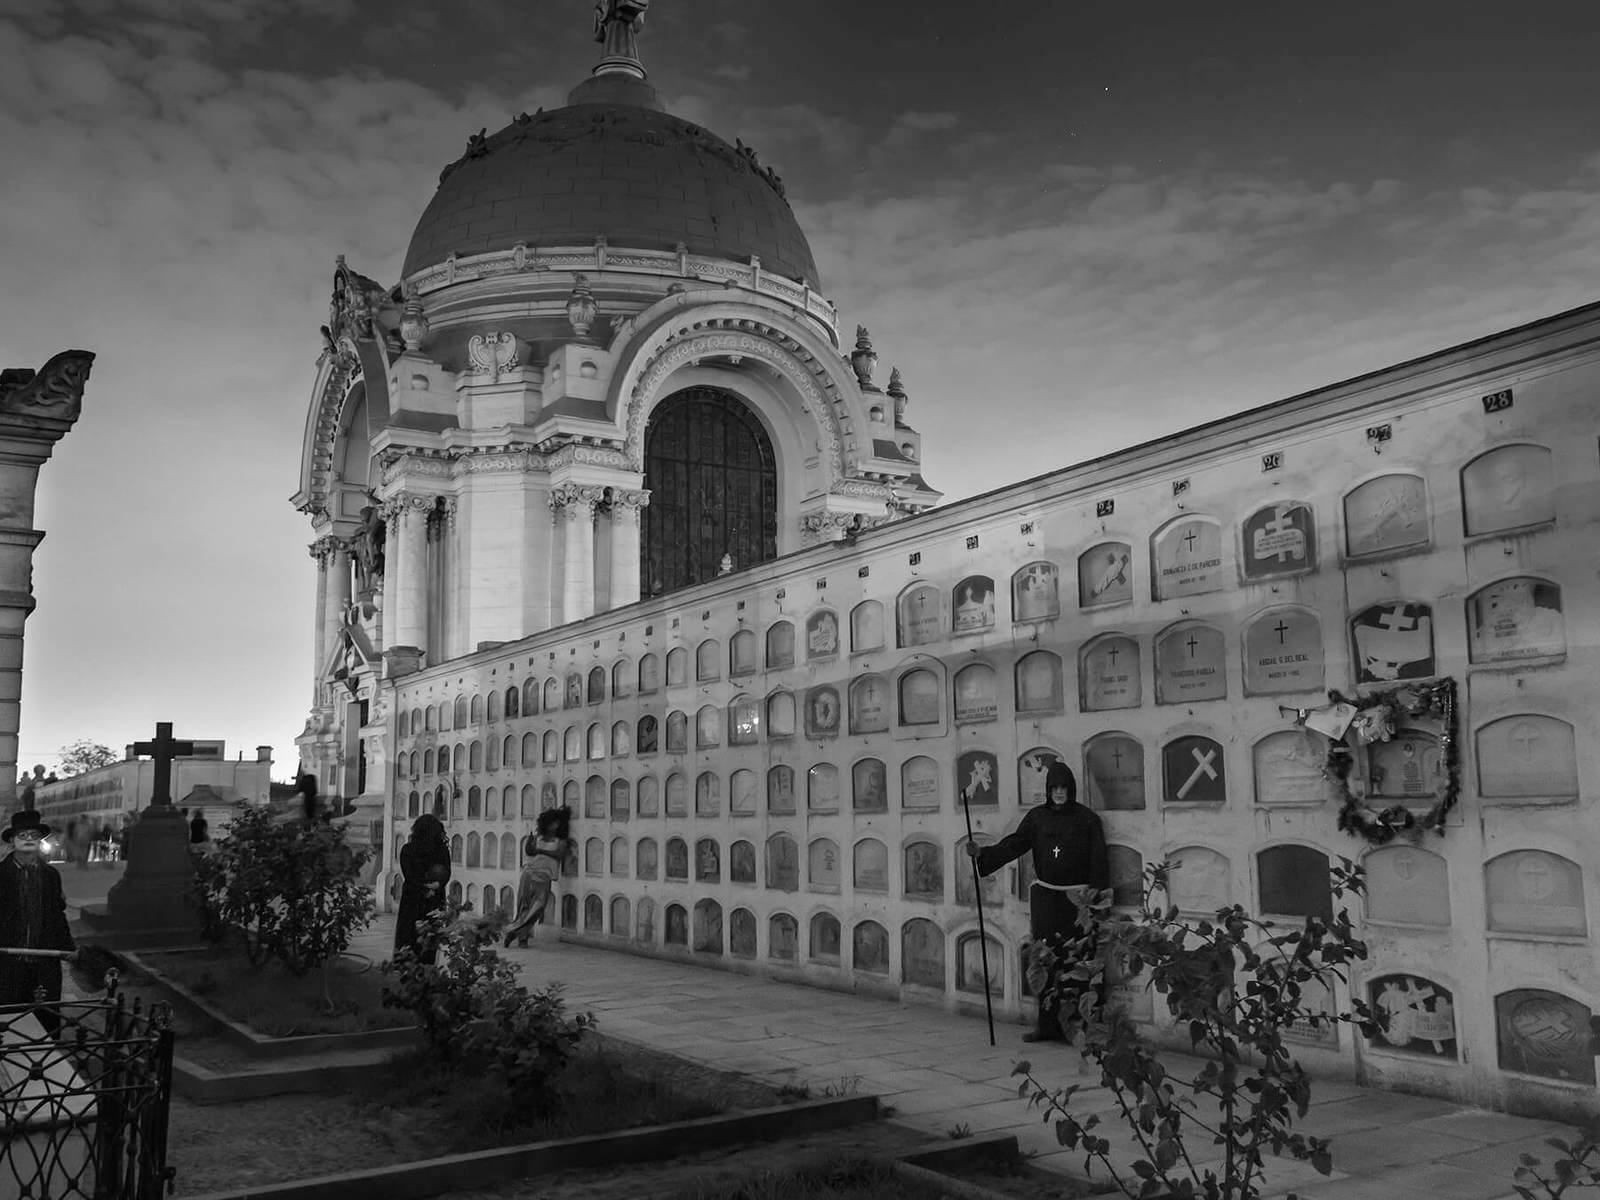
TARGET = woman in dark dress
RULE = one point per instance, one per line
(424, 872)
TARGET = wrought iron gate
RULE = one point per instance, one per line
(83, 1110)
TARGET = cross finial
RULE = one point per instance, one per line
(616, 27)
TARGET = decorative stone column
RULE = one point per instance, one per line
(575, 504)
(326, 550)
(36, 410)
(625, 515)
(406, 622)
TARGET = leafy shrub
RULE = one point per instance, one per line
(292, 889)
(1577, 1167)
(1198, 965)
(474, 1014)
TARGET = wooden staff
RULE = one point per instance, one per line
(983, 937)
(19, 952)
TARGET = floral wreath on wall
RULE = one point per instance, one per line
(1374, 718)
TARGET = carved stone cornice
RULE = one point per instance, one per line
(598, 456)
(825, 526)
(398, 466)
(575, 500)
(55, 390)
(627, 501)
(513, 460)
(400, 503)
(325, 549)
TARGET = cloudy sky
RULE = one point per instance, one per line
(1104, 221)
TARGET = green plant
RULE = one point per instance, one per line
(1578, 1166)
(794, 1091)
(474, 1014)
(957, 1132)
(1235, 984)
(848, 1085)
(292, 889)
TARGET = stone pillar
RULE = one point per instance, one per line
(36, 410)
(325, 551)
(405, 584)
(625, 515)
(575, 504)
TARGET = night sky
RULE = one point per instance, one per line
(1074, 226)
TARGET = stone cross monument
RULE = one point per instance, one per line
(36, 410)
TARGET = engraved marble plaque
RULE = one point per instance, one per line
(871, 869)
(1129, 992)
(825, 936)
(742, 793)
(708, 660)
(780, 790)
(1544, 1033)
(1315, 997)
(977, 778)
(866, 626)
(1036, 593)
(742, 660)
(780, 645)
(649, 797)
(594, 857)
(707, 795)
(822, 788)
(646, 865)
(1289, 768)
(677, 732)
(972, 604)
(965, 895)
(594, 912)
(1031, 768)
(1199, 880)
(924, 871)
(1531, 891)
(975, 694)
(707, 861)
(783, 938)
(742, 862)
(780, 715)
(708, 927)
(1283, 652)
(677, 858)
(1280, 539)
(1511, 487)
(822, 865)
(677, 925)
(920, 697)
(742, 933)
(1109, 674)
(1386, 514)
(619, 857)
(922, 953)
(822, 634)
(783, 863)
(1527, 756)
(970, 957)
(869, 786)
(822, 712)
(1422, 1016)
(1294, 882)
(649, 674)
(1039, 687)
(744, 721)
(1190, 665)
(1393, 641)
(919, 783)
(917, 618)
(1186, 558)
(1105, 575)
(677, 667)
(644, 921)
(869, 704)
(1192, 771)
(1407, 885)
(869, 948)
(649, 734)
(677, 795)
(1127, 875)
(1409, 766)
(1515, 618)
(1114, 766)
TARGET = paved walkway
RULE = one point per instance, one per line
(939, 1072)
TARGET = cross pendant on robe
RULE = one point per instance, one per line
(1055, 851)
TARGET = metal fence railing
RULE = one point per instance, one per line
(85, 1087)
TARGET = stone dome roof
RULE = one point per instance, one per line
(641, 177)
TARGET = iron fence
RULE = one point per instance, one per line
(85, 1087)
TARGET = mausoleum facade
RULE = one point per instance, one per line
(770, 711)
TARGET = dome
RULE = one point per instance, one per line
(641, 177)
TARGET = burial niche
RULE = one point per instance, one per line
(1031, 769)
(869, 786)
(975, 699)
(822, 788)
(972, 604)
(1283, 652)
(708, 927)
(822, 712)
(966, 896)
(677, 858)
(677, 925)
(1546, 1034)
(871, 869)
(742, 933)
(1114, 773)
(742, 653)
(742, 793)
(1190, 666)
(744, 721)
(649, 796)
(1290, 769)
(1199, 880)
(621, 918)
(742, 862)
(1385, 515)
(1393, 641)
(1515, 619)
(978, 778)
(1422, 1016)
(644, 921)
(924, 864)
(1409, 766)
(971, 953)
(919, 783)
(1527, 756)
(1038, 682)
(1109, 673)
(783, 937)
(707, 861)
(869, 704)
(1407, 885)
(869, 948)
(917, 616)
(922, 954)
(822, 865)
(1127, 876)
(780, 645)
(825, 937)
(783, 863)
(1186, 558)
(1105, 575)
(1280, 539)
(921, 697)
(866, 626)
(594, 913)
(1532, 891)
(646, 861)
(1510, 487)
(822, 634)
(1294, 882)
(1035, 593)
(780, 791)
(1192, 771)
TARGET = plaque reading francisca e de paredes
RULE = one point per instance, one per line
(1186, 558)
(1283, 652)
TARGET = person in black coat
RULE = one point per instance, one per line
(33, 916)
(424, 872)
(1068, 843)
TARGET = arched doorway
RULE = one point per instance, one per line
(713, 483)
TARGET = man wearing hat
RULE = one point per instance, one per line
(33, 916)
(1069, 864)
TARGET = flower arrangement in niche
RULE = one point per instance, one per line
(1355, 726)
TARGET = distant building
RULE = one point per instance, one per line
(106, 795)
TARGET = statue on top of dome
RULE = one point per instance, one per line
(617, 24)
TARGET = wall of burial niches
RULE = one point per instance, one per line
(768, 773)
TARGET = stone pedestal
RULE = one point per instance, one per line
(154, 901)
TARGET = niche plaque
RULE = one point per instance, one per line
(1187, 559)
